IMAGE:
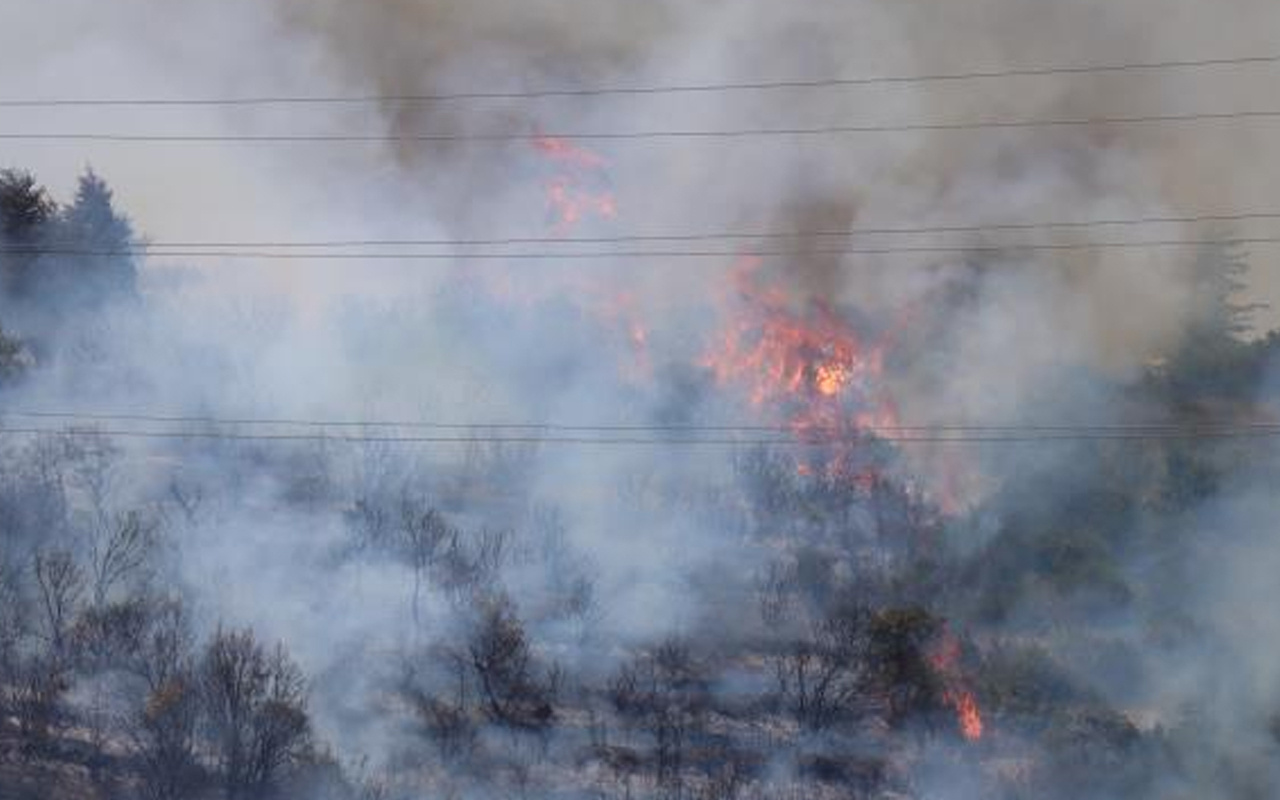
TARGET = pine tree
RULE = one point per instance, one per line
(1219, 281)
(91, 225)
(26, 216)
(1215, 357)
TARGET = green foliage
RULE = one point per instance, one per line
(56, 259)
(27, 215)
(25, 207)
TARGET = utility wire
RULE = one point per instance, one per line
(553, 256)
(720, 134)
(798, 441)
(1171, 426)
(698, 236)
(688, 88)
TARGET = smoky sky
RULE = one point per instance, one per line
(979, 336)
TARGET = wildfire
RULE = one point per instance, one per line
(830, 379)
(580, 187)
(945, 660)
(556, 148)
(805, 364)
(967, 713)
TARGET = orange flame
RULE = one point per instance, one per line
(967, 713)
(806, 364)
(580, 187)
(556, 148)
(945, 660)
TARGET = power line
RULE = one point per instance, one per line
(711, 236)
(688, 88)
(624, 435)
(552, 256)
(995, 438)
(1170, 426)
(721, 134)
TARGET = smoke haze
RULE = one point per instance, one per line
(981, 336)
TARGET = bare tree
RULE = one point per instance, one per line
(469, 563)
(447, 722)
(164, 736)
(490, 553)
(188, 497)
(120, 550)
(441, 699)
(164, 729)
(255, 709)
(45, 673)
(581, 605)
(424, 531)
(14, 629)
(60, 583)
(370, 523)
(33, 497)
(665, 692)
(775, 593)
(500, 655)
(110, 636)
(166, 650)
(821, 677)
(571, 591)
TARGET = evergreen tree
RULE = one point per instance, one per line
(92, 225)
(26, 216)
(1220, 280)
(1215, 358)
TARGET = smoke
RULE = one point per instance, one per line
(977, 337)
(1096, 309)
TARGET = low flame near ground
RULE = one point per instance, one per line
(945, 660)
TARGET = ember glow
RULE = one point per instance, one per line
(804, 364)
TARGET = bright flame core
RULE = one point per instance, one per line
(806, 365)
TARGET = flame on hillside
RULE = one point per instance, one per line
(803, 364)
(945, 660)
(579, 188)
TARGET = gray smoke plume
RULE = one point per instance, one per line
(977, 337)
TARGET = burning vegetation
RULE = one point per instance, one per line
(578, 188)
(848, 638)
(610, 525)
(803, 367)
